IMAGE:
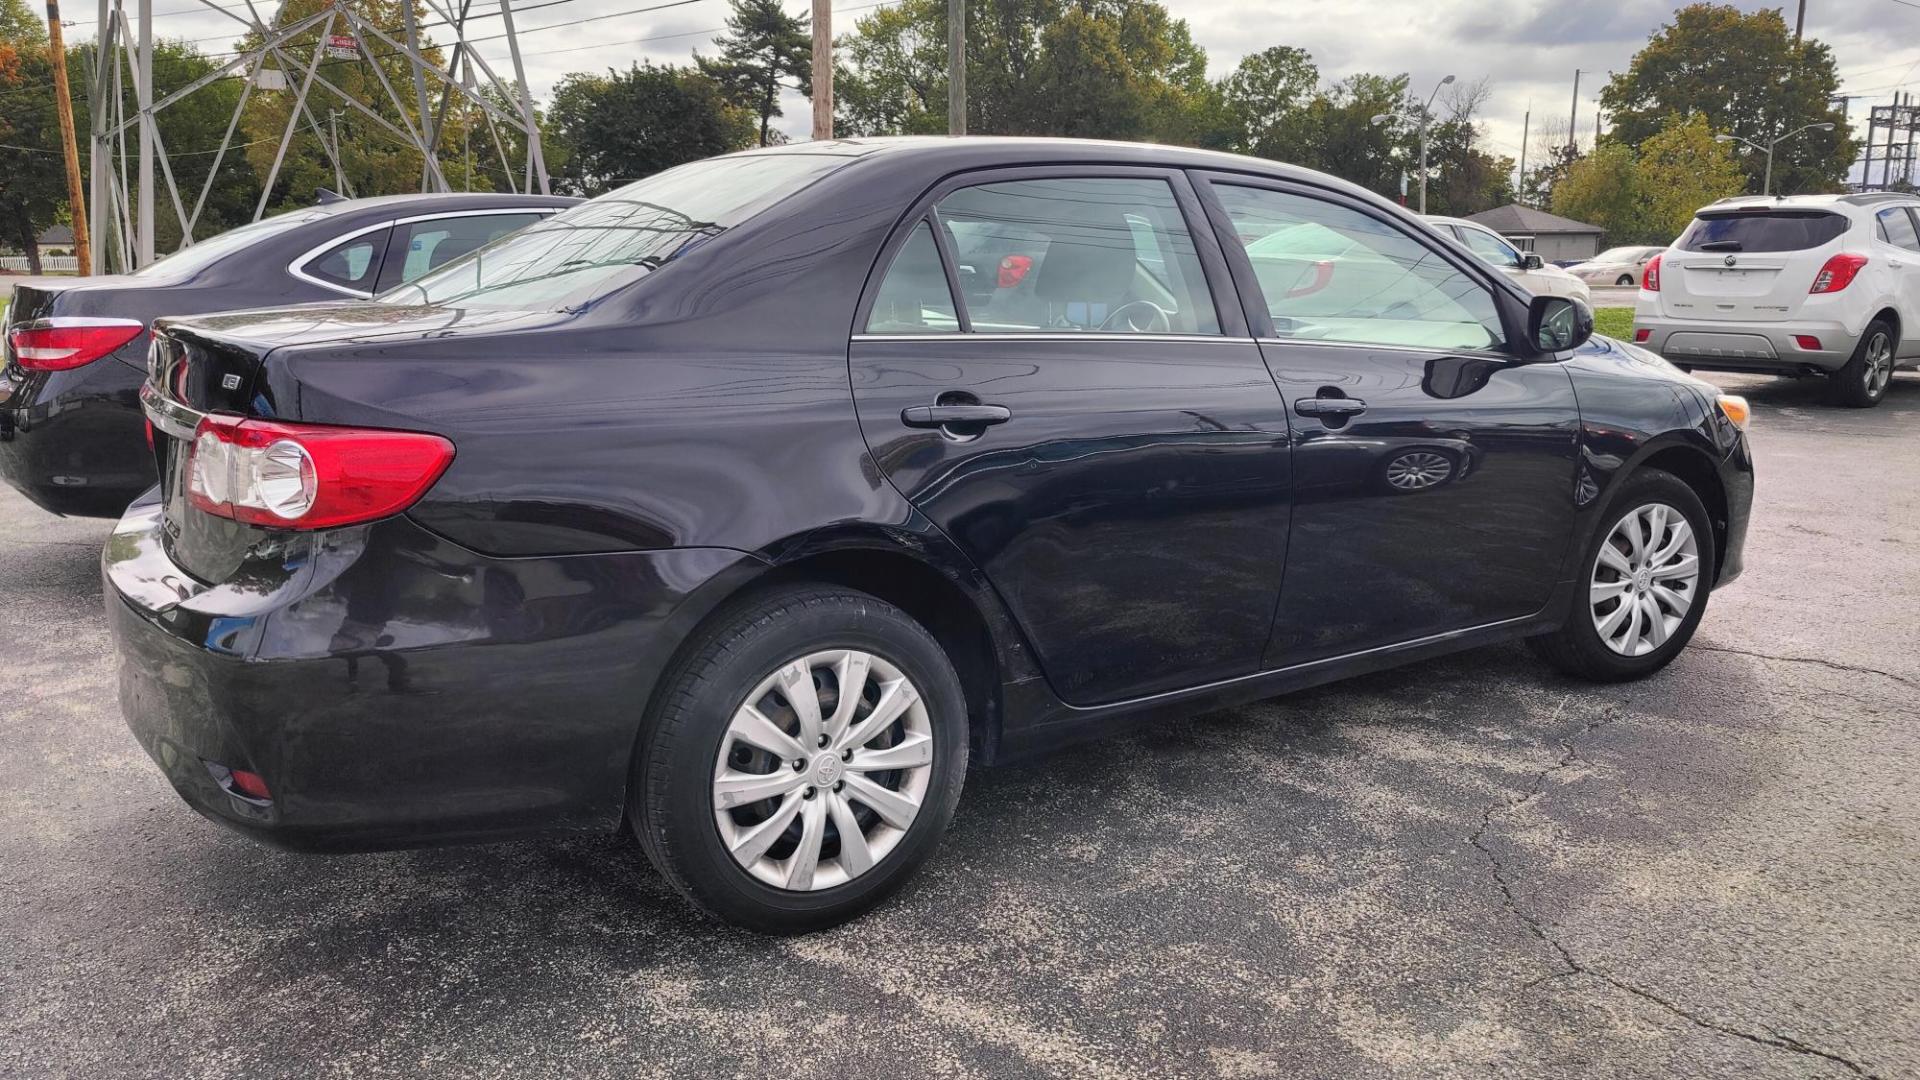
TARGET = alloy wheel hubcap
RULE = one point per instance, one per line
(1421, 469)
(1645, 579)
(822, 770)
(1879, 368)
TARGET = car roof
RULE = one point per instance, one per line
(1831, 200)
(429, 202)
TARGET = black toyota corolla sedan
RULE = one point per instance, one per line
(71, 431)
(745, 505)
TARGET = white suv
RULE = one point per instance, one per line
(1811, 284)
(1525, 268)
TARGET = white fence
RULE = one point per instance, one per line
(49, 264)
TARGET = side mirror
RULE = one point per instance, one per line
(1530, 261)
(1556, 324)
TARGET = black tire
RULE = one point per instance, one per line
(1851, 386)
(672, 809)
(1625, 279)
(1576, 648)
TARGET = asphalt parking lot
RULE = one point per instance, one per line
(1467, 868)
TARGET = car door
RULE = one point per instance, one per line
(1899, 236)
(1434, 470)
(418, 245)
(1090, 422)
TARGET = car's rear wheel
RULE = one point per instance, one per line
(1644, 587)
(1624, 279)
(806, 756)
(1863, 380)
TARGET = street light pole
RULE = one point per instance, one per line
(1426, 115)
(1766, 182)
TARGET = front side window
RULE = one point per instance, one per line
(1332, 273)
(1491, 248)
(1896, 228)
(1077, 255)
(423, 246)
(914, 297)
(353, 263)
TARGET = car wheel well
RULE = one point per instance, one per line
(1696, 470)
(1891, 318)
(928, 597)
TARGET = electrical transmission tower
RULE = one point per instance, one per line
(285, 54)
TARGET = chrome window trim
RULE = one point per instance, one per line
(294, 268)
(1427, 350)
(1064, 335)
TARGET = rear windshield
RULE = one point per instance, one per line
(1763, 230)
(194, 258)
(584, 253)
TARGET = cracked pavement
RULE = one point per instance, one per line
(1466, 868)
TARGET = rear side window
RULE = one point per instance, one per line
(1895, 226)
(914, 297)
(423, 246)
(353, 263)
(1763, 230)
(1077, 254)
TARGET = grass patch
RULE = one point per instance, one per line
(1615, 322)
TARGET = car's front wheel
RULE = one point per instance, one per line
(1647, 575)
(1863, 380)
(805, 757)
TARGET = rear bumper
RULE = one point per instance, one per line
(74, 442)
(1747, 346)
(394, 689)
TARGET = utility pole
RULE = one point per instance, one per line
(1800, 22)
(956, 67)
(333, 131)
(1520, 182)
(63, 102)
(1573, 117)
(823, 69)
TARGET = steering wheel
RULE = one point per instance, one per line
(1139, 317)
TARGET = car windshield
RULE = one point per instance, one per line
(191, 260)
(586, 252)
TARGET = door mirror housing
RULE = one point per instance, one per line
(1530, 261)
(1556, 324)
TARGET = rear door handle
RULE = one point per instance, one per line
(1329, 406)
(942, 415)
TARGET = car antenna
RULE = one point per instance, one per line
(322, 196)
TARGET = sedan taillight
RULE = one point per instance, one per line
(1650, 277)
(1837, 274)
(65, 342)
(309, 476)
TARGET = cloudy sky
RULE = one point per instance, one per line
(1527, 49)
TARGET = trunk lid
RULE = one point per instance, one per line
(1749, 264)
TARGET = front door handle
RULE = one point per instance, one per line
(1329, 406)
(943, 415)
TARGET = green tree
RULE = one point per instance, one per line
(1747, 76)
(1265, 98)
(1091, 68)
(764, 51)
(614, 128)
(32, 183)
(1648, 196)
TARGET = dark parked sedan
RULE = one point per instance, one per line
(71, 432)
(749, 503)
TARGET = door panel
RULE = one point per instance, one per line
(1433, 472)
(1447, 504)
(1132, 511)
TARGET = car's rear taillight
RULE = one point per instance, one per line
(1013, 270)
(309, 476)
(1837, 274)
(1650, 277)
(65, 342)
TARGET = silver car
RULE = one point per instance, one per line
(1615, 266)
